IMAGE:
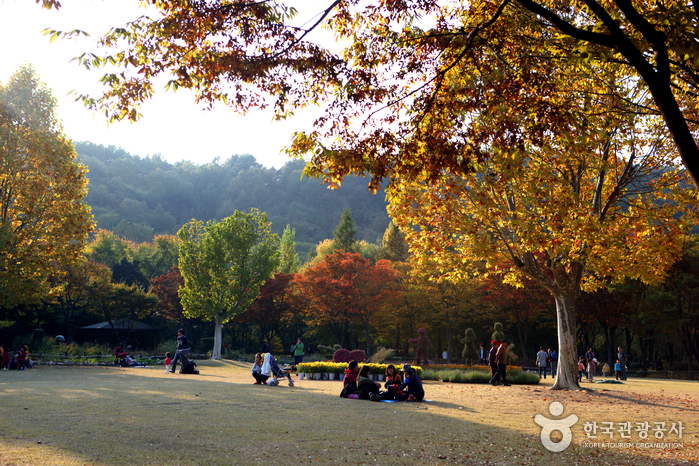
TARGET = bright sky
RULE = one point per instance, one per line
(172, 124)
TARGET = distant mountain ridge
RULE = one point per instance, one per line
(138, 197)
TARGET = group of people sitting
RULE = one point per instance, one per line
(358, 384)
(18, 360)
(123, 359)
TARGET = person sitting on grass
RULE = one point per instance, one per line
(367, 389)
(413, 384)
(349, 383)
(6, 357)
(21, 358)
(392, 385)
(257, 370)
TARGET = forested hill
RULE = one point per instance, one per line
(137, 197)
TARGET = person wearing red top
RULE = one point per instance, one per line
(5, 359)
(349, 384)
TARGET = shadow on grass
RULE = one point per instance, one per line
(117, 417)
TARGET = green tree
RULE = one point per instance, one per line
(394, 246)
(345, 237)
(289, 260)
(106, 248)
(44, 220)
(224, 264)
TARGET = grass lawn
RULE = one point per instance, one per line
(98, 415)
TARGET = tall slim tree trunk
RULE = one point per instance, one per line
(368, 341)
(567, 375)
(218, 331)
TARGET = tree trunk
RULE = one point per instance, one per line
(450, 337)
(567, 375)
(368, 341)
(523, 341)
(610, 335)
(218, 330)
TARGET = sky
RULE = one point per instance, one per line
(172, 124)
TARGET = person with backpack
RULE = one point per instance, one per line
(349, 383)
(553, 357)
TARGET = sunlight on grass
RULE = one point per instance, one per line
(144, 416)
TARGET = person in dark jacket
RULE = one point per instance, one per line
(349, 383)
(367, 389)
(491, 358)
(182, 348)
(501, 360)
(412, 384)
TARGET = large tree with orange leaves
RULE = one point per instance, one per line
(44, 220)
(345, 288)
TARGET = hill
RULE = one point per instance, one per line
(137, 197)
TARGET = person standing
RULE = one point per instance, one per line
(589, 354)
(483, 355)
(491, 360)
(182, 348)
(298, 351)
(553, 356)
(501, 360)
(622, 357)
(541, 358)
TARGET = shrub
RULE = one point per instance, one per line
(341, 355)
(382, 355)
(478, 376)
(357, 355)
(206, 345)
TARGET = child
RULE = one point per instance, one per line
(168, 360)
(581, 368)
(591, 369)
(617, 369)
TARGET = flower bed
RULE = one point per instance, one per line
(479, 376)
(464, 367)
(339, 367)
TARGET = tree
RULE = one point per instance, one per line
(274, 308)
(74, 297)
(128, 273)
(44, 220)
(524, 305)
(345, 237)
(121, 305)
(567, 211)
(106, 248)
(289, 261)
(224, 264)
(344, 288)
(391, 61)
(393, 247)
